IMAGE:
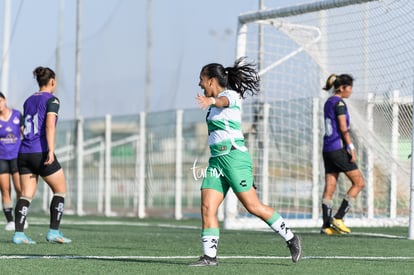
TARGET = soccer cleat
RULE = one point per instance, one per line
(55, 236)
(9, 226)
(295, 248)
(339, 225)
(330, 231)
(21, 238)
(205, 261)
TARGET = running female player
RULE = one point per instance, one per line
(230, 165)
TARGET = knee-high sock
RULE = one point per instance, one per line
(20, 213)
(344, 208)
(8, 211)
(56, 211)
(277, 223)
(326, 213)
(209, 240)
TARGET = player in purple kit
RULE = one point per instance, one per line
(338, 154)
(37, 157)
(10, 139)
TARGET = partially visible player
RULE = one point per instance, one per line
(10, 139)
(230, 164)
(37, 157)
(338, 154)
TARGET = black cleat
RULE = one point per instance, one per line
(295, 248)
(205, 261)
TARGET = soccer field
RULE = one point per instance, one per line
(131, 246)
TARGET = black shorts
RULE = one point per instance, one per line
(8, 166)
(338, 161)
(34, 164)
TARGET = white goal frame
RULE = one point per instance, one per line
(232, 219)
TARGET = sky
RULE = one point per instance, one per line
(186, 34)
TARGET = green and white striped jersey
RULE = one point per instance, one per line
(224, 126)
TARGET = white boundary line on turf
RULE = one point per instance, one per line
(54, 257)
(92, 222)
(359, 234)
(166, 225)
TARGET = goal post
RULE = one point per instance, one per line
(297, 47)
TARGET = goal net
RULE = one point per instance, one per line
(296, 48)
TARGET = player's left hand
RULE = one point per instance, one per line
(203, 101)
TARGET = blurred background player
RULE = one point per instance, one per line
(10, 139)
(37, 157)
(338, 154)
(230, 164)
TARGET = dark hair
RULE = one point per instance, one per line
(2, 95)
(242, 77)
(337, 81)
(43, 75)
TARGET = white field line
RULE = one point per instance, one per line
(358, 234)
(166, 225)
(41, 221)
(74, 257)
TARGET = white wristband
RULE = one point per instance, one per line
(350, 147)
(213, 100)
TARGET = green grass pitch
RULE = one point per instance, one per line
(165, 246)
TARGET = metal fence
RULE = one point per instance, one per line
(138, 165)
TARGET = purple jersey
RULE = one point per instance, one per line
(10, 136)
(333, 108)
(36, 108)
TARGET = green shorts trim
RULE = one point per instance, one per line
(233, 170)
